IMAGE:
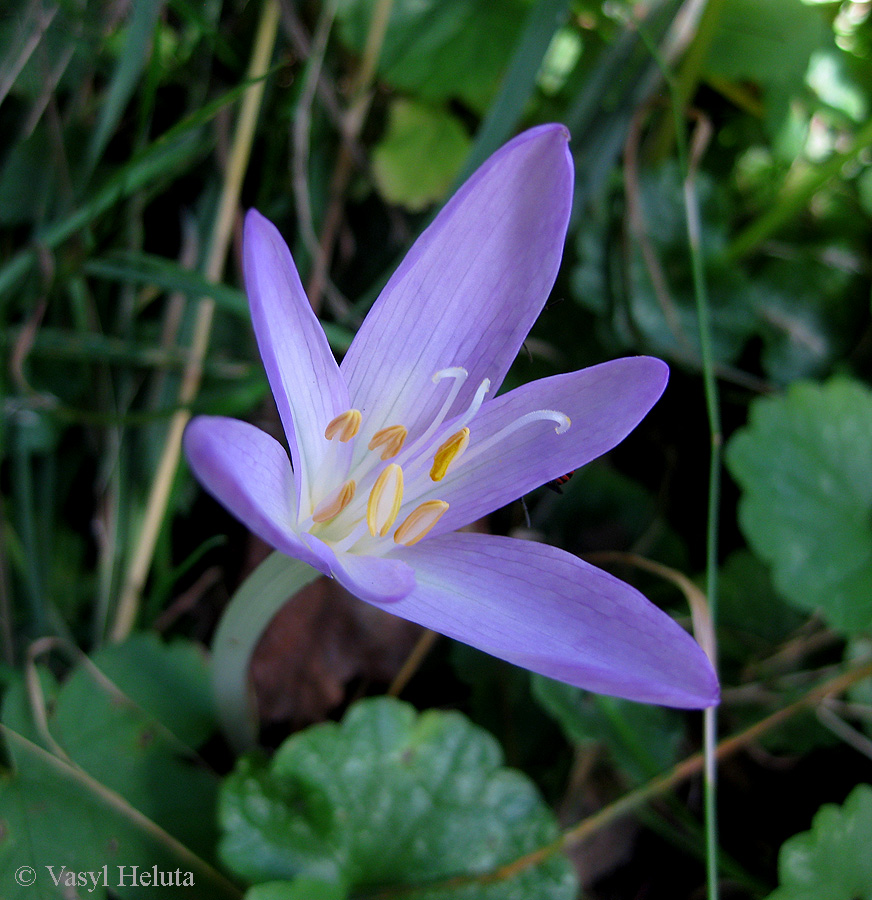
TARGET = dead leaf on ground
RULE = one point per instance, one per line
(319, 642)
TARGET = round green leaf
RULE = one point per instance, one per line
(804, 463)
(420, 155)
(126, 790)
(391, 798)
(832, 860)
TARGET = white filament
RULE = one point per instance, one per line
(562, 421)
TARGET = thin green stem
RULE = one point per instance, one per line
(688, 164)
(694, 240)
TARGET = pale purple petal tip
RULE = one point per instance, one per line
(248, 472)
(545, 610)
(471, 287)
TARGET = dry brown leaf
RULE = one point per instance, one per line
(319, 642)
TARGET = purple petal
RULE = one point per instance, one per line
(545, 610)
(374, 579)
(305, 380)
(470, 288)
(248, 472)
(604, 403)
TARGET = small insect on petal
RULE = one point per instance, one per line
(556, 484)
(419, 522)
(385, 500)
(344, 427)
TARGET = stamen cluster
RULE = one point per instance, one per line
(343, 518)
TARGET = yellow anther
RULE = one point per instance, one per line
(334, 504)
(418, 523)
(345, 426)
(385, 500)
(390, 439)
(448, 452)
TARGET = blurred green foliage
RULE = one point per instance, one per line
(117, 121)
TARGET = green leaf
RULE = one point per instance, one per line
(164, 158)
(391, 798)
(131, 267)
(642, 739)
(832, 860)
(37, 792)
(170, 682)
(752, 618)
(519, 81)
(417, 160)
(864, 190)
(751, 35)
(440, 50)
(152, 712)
(51, 813)
(859, 650)
(806, 475)
(143, 703)
(26, 181)
(806, 315)
(64, 345)
(667, 320)
(126, 77)
(144, 268)
(299, 889)
(62, 29)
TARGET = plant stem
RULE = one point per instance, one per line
(251, 609)
(688, 165)
(714, 491)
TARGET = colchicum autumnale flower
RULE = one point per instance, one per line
(406, 442)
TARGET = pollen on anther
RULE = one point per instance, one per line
(419, 522)
(390, 439)
(385, 500)
(448, 452)
(332, 505)
(344, 427)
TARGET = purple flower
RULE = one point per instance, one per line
(405, 442)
